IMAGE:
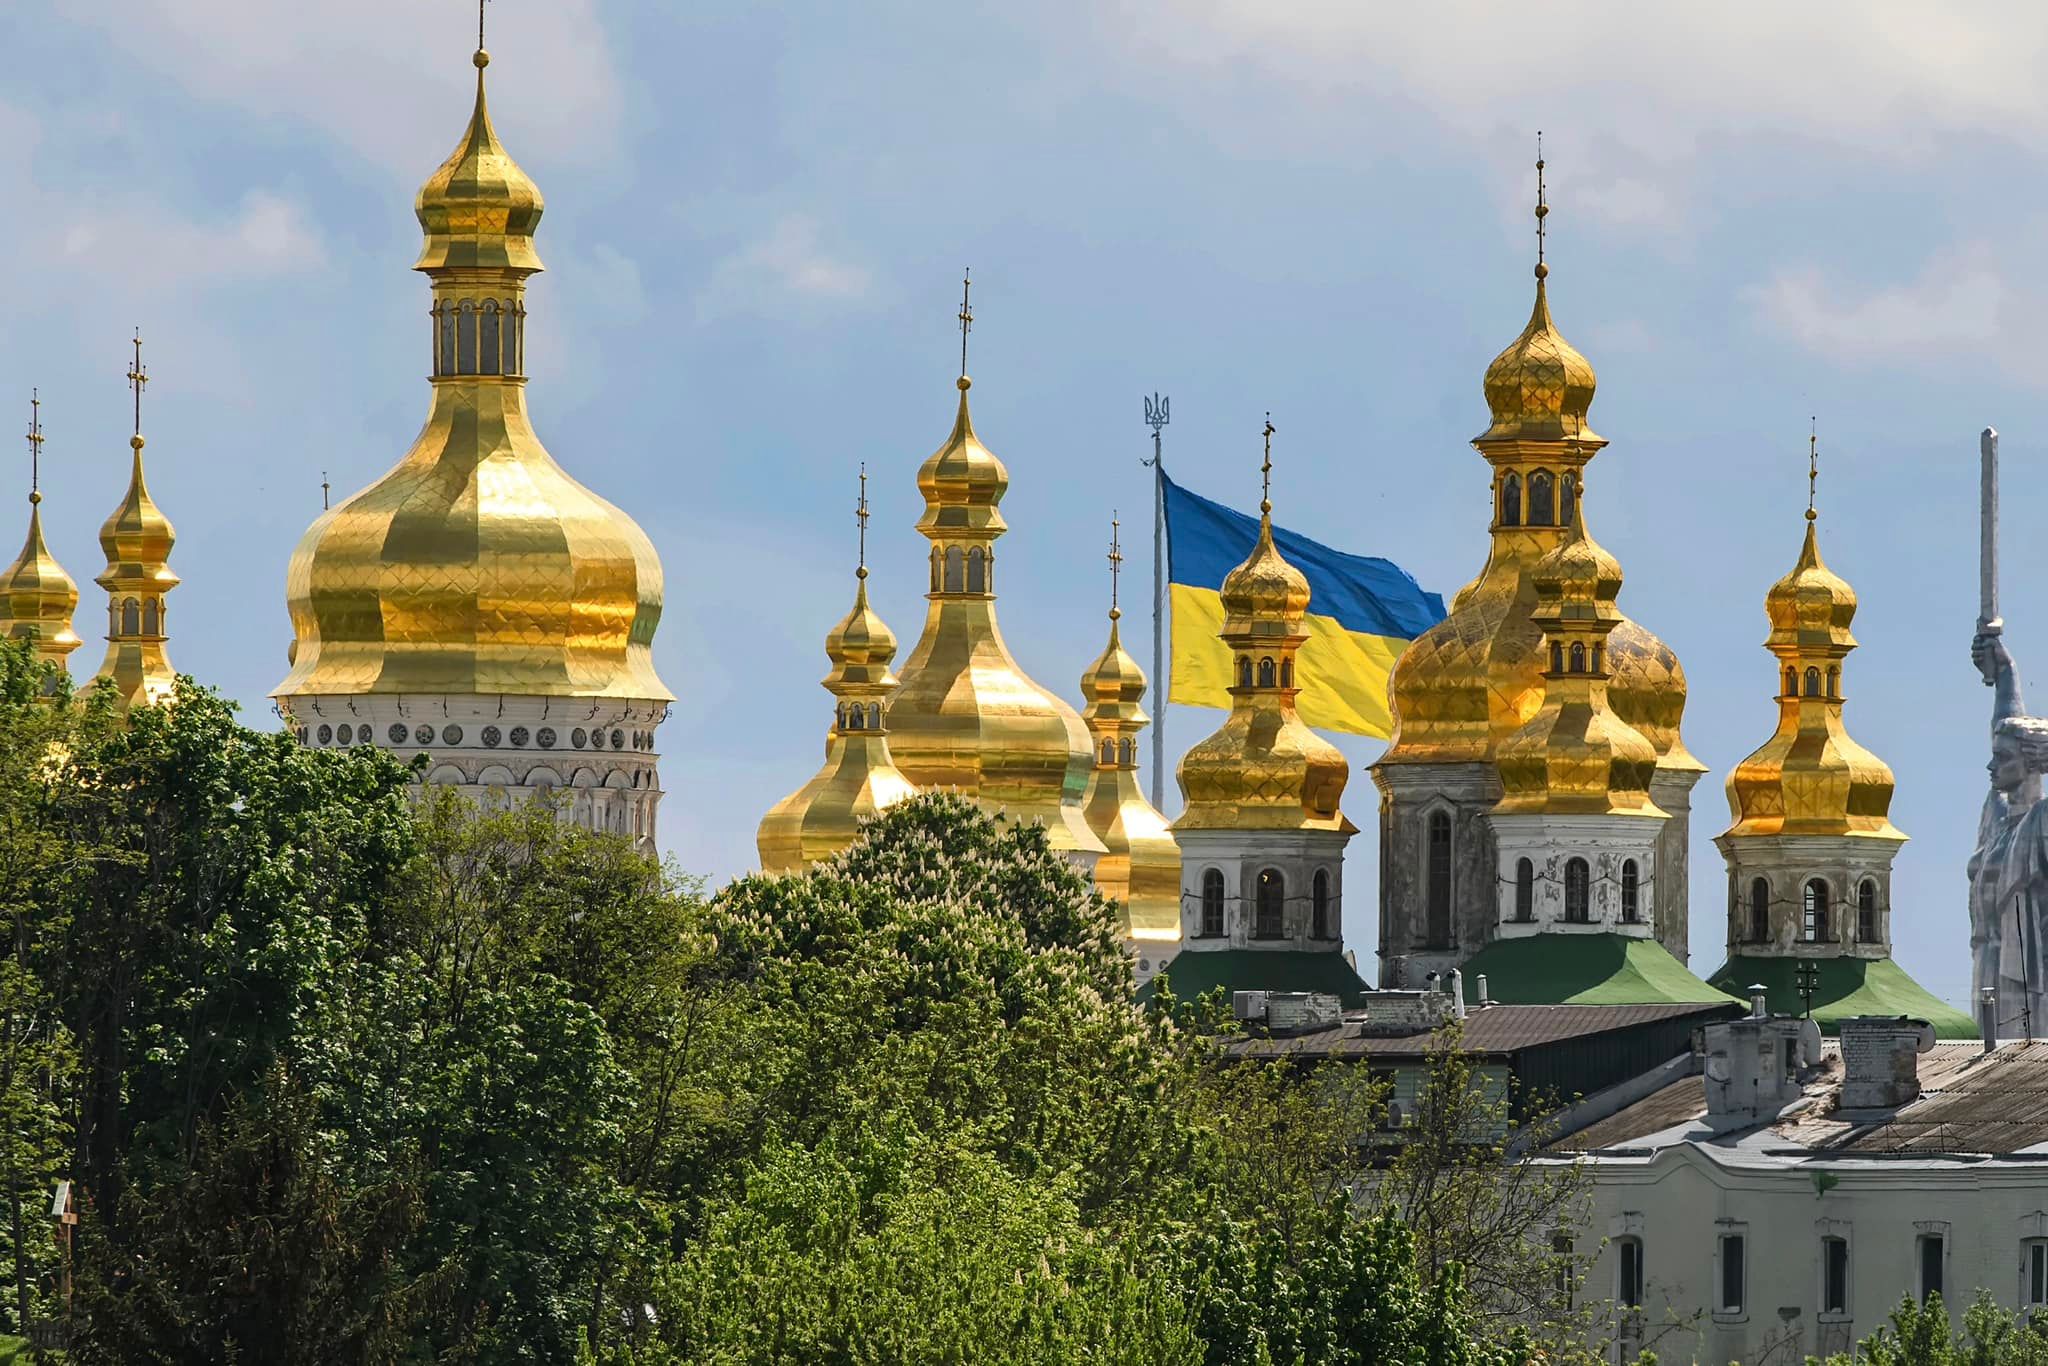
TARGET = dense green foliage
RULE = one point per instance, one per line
(342, 1076)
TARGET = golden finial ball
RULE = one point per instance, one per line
(964, 383)
(1542, 271)
(34, 496)
(482, 59)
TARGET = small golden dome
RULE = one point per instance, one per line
(137, 539)
(1579, 580)
(1265, 586)
(1812, 605)
(962, 482)
(861, 645)
(37, 597)
(1540, 388)
(136, 536)
(1141, 868)
(479, 210)
(1114, 684)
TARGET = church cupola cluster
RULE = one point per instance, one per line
(966, 717)
(37, 597)
(476, 604)
(1141, 866)
(137, 539)
(1261, 835)
(859, 778)
(1462, 689)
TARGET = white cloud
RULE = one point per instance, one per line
(266, 236)
(1957, 307)
(787, 265)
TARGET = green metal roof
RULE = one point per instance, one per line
(1196, 973)
(1848, 986)
(1584, 970)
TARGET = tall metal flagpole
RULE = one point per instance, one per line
(1156, 416)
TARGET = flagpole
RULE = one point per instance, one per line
(1155, 418)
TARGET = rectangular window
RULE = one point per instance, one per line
(1835, 1276)
(1733, 1273)
(1630, 1253)
(1932, 1246)
(1561, 1249)
(2037, 1270)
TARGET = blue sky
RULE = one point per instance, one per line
(757, 219)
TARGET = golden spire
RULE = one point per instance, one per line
(1264, 769)
(859, 778)
(36, 595)
(1575, 756)
(476, 565)
(966, 716)
(1810, 777)
(137, 539)
(1142, 867)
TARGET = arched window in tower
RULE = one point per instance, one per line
(977, 570)
(1578, 657)
(465, 339)
(1599, 663)
(856, 717)
(1525, 890)
(515, 337)
(1814, 919)
(492, 357)
(1244, 671)
(1541, 512)
(151, 624)
(1439, 872)
(1791, 682)
(1866, 912)
(1578, 892)
(1272, 902)
(131, 617)
(1286, 673)
(1319, 898)
(936, 558)
(444, 323)
(1127, 751)
(1567, 499)
(1834, 680)
(1557, 656)
(1760, 911)
(1511, 500)
(1812, 681)
(1109, 751)
(1212, 904)
(956, 570)
(1631, 893)
(1267, 676)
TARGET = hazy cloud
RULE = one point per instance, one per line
(789, 263)
(1955, 308)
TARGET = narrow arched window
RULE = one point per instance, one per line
(956, 570)
(1834, 680)
(1540, 509)
(1525, 890)
(492, 358)
(444, 324)
(1578, 657)
(1866, 912)
(1812, 682)
(1511, 500)
(937, 557)
(1557, 656)
(1272, 902)
(1267, 675)
(1128, 750)
(1109, 751)
(874, 719)
(856, 719)
(465, 340)
(1578, 891)
(1791, 682)
(977, 570)
(1631, 893)
(150, 622)
(1286, 673)
(1440, 879)
(1760, 911)
(1599, 664)
(1212, 904)
(1320, 899)
(516, 339)
(1244, 672)
(1814, 919)
(1567, 499)
(131, 617)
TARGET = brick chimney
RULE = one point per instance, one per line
(1881, 1060)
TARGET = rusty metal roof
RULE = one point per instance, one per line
(1680, 1102)
(1991, 1103)
(1494, 1030)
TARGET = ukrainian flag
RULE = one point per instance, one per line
(1361, 613)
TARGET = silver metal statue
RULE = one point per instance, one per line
(2009, 870)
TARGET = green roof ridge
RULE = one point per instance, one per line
(1585, 970)
(1847, 987)
(1197, 972)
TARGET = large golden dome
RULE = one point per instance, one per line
(966, 716)
(1540, 388)
(476, 565)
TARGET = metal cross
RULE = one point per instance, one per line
(1266, 471)
(35, 446)
(1116, 565)
(138, 379)
(966, 319)
(1542, 208)
(860, 512)
(1812, 462)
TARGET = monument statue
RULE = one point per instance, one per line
(2009, 870)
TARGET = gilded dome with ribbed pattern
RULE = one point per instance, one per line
(37, 597)
(1540, 388)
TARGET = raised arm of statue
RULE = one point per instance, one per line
(1996, 663)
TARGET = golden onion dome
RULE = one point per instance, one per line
(476, 564)
(1264, 768)
(137, 539)
(861, 646)
(136, 536)
(37, 597)
(1540, 388)
(1114, 685)
(1811, 777)
(965, 715)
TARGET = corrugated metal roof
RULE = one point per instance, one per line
(1496, 1030)
(1681, 1102)
(1993, 1103)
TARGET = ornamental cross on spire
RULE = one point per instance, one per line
(35, 446)
(860, 513)
(138, 380)
(966, 319)
(1542, 208)
(1266, 471)
(1812, 462)
(1116, 564)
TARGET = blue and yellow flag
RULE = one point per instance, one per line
(1361, 613)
